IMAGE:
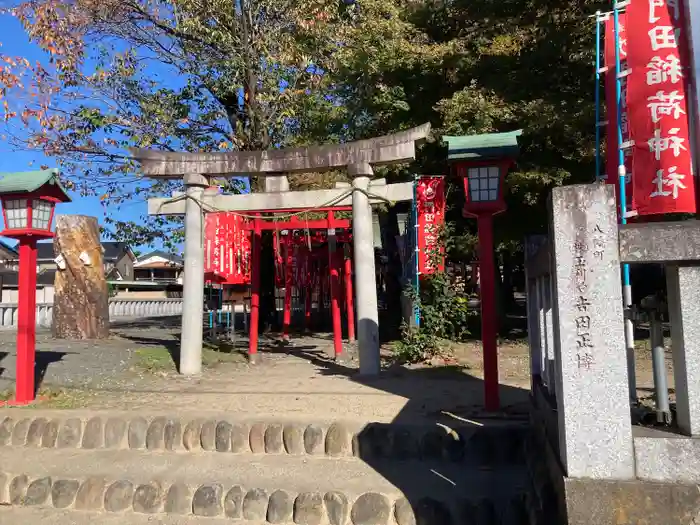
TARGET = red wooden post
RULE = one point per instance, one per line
(349, 303)
(256, 242)
(334, 266)
(288, 285)
(309, 289)
(489, 332)
(26, 322)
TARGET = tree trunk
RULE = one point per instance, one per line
(81, 301)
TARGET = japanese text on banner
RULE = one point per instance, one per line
(658, 107)
(431, 217)
(227, 248)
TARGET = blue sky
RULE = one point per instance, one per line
(16, 43)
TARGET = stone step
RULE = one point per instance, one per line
(478, 444)
(282, 489)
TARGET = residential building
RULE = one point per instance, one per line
(159, 266)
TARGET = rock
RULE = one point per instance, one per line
(191, 437)
(5, 480)
(137, 433)
(240, 442)
(208, 437)
(280, 507)
(257, 438)
(6, 431)
(255, 505)
(313, 440)
(233, 503)
(178, 500)
(63, 493)
(18, 489)
(486, 513)
(337, 440)
(19, 433)
(274, 443)
(516, 512)
(405, 446)
(207, 501)
(454, 447)
(375, 440)
(119, 496)
(155, 436)
(173, 435)
(38, 492)
(69, 433)
(371, 509)
(403, 513)
(148, 499)
(308, 509)
(222, 440)
(294, 439)
(337, 507)
(50, 436)
(91, 494)
(115, 430)
(36, 432)
(93, 437)
(431, 512)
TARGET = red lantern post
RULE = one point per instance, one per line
(483, 162)
(28, 201)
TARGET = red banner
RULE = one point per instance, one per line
(612, 158)
(226, 248)
(658, 110)
(431, 216)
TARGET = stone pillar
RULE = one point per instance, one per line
(683, 286)
(365, 279)
(193, 280)
(595, 431)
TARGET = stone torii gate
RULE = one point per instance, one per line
(357, 157)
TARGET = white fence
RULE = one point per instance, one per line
(118, 308)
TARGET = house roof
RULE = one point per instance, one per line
(43, 278)
(483, 147)
(6, 247)
(159, 253)
(26, 181)
(112, 250)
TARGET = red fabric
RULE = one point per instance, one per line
(658, 109)
(431, 216)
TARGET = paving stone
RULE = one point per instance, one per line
(5, 480)
(308, 509)
(431, 512)
(294, 439)
(313, 440)
(178, 499)
(223, 436)
(337, 507)
(432, 444)
(6, 431)
(18, 489)
(173, 435)
(280, 507)
(63, 493)
(233, 503)
(274, 442)
(69, 433)
(403, 513)
(240, 442)
(486, 513)
(148, 499)
(405, 445)
(118, 496)
(207, 501)
(138, 427)
(337, 440)
(191, 437)
(208, 436)
(516, 512)
(257, 438)
(35, 431)
(255, 505)
(375, 440)
(93, 436)
(91, 494)
(19, 433)
(454, 447)
(50, 435)
(115, 430)
(370, 509)
(38, 492)
(155, 436)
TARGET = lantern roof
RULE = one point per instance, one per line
(29, 181)
(483, 147)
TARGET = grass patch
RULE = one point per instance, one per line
(157, 359)
(59, 398)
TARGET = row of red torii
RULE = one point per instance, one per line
(308, 258)
(197, 169)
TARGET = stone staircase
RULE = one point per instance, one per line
(82, 467)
